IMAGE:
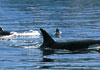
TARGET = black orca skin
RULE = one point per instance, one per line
(48, 42)
(3, 33)
(58, 32)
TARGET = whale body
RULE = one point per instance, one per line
(3, 33)
(48, 42)
(58, 32)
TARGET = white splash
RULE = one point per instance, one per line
(31, 32)
(30, 47)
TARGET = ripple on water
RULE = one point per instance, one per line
(77, 19)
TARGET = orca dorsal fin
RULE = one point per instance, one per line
(47, 40)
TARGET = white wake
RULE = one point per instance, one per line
(30, 33)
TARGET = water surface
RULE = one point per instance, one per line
(77, 19)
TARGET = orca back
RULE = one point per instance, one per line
(1, 29)
(2, 33)
(48, 42)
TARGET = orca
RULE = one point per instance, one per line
(58, 32)
(1, 29)
(3, 33)
(48, 42)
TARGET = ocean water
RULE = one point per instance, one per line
(77, 19)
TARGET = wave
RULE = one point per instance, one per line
(30, 33)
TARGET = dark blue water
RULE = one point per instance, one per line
(77, 19)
